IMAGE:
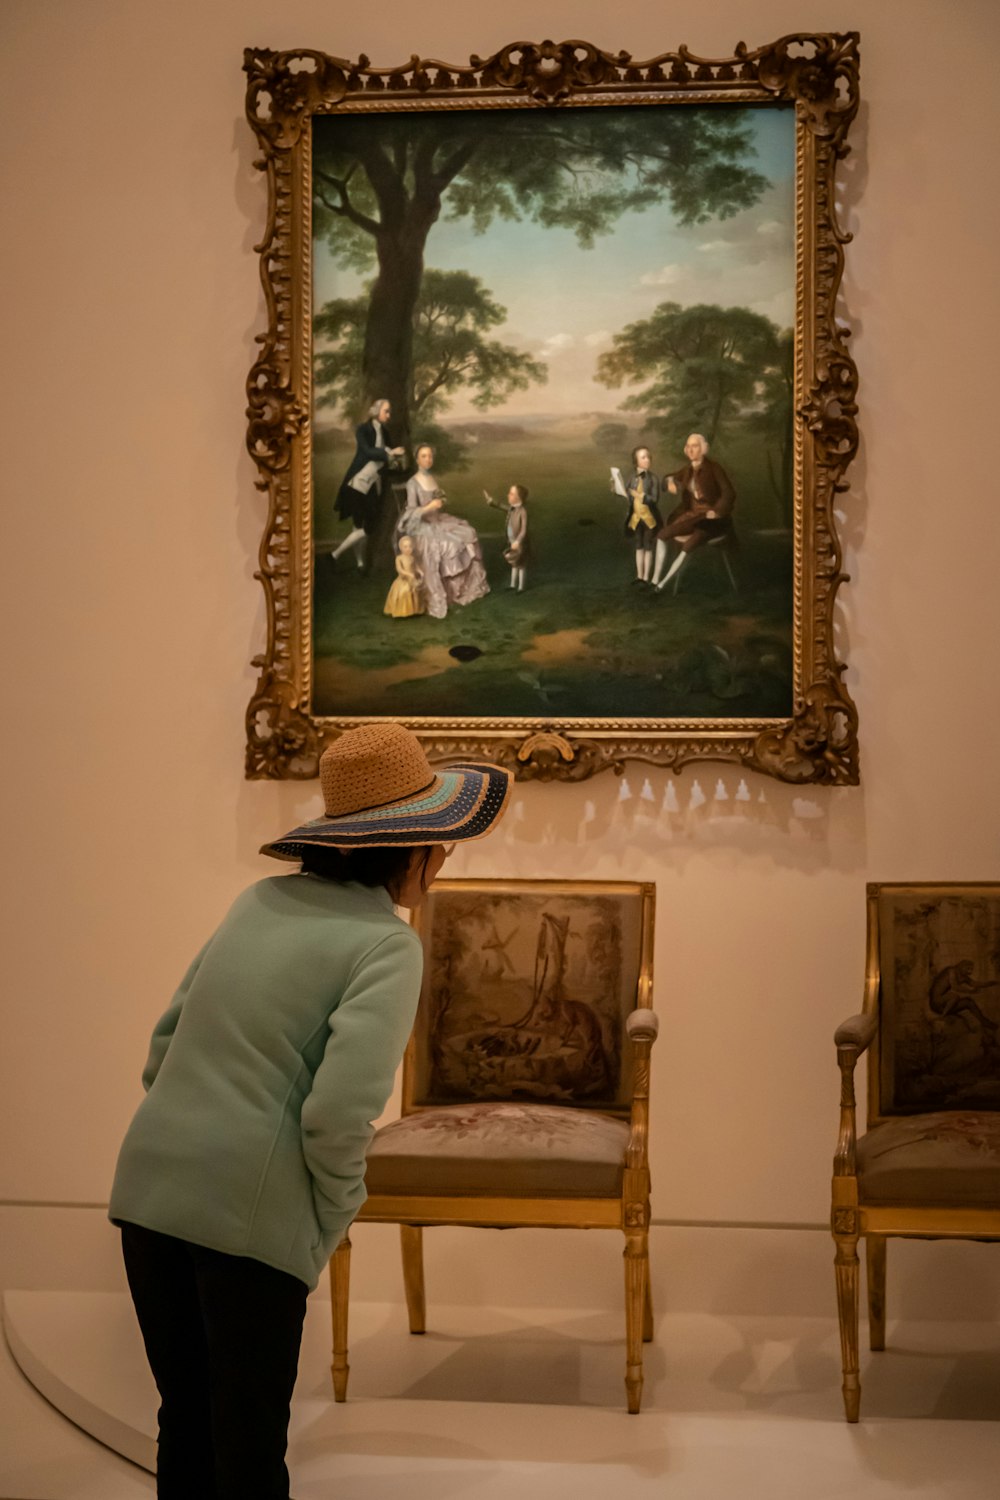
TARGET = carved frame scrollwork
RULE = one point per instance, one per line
(818, 74)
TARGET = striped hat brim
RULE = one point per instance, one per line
(463, 803)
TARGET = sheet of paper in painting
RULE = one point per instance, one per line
(619, 483)
(363, 480)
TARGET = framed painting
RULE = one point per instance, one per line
(527, 988)
(553, 409)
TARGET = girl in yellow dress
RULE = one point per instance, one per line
(405, 597)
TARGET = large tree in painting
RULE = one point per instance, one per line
(452, 349)
(721, 371)
(379, 190)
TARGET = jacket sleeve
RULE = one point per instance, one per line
(165, 1027)
(368, 1034)
(727, 495)
(365, 437)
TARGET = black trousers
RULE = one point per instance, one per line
(222, 1336)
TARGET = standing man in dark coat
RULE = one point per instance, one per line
(362, 490)
(703, 512)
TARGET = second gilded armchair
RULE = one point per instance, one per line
(928, 1165)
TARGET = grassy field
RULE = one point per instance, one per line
(582, 641)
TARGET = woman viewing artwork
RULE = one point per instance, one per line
(244, 1165)
(447, 547)
(362, 490)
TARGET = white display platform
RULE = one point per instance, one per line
(503, 1404)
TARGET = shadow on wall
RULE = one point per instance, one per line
(648, 814)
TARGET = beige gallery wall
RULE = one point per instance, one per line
(131, 526)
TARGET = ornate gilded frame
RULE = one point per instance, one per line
(819, 75)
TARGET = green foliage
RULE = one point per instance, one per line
(453, 314)
(380, 186)
(451, 455)
(451, 351)
(582, 176)
(611, 436)
(720, 371)
(771, 420)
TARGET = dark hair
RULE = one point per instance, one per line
(378, 866)
(642, 448)
(522, 490)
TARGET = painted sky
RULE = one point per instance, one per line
(564, 303)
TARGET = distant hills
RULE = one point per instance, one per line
(576, 425)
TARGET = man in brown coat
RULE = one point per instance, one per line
(703, 512)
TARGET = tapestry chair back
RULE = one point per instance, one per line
(938, 1042)
(526, 993)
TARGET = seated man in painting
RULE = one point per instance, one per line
(703, 512)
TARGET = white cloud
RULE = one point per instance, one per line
(595, 340)
(665, 276)
(779, 307)
(557, 343)
(770, 226)
(710, 246)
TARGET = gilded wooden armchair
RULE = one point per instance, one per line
(525, 1084)
(928, 1165)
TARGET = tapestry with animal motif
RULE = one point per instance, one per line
(525, 996)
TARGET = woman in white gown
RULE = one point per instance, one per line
(447, 547)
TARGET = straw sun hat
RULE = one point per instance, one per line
(379, 790)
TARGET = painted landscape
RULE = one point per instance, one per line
(587, 281)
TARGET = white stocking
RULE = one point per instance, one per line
(675, 567)
(352, 539)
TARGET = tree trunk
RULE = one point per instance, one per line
(387, 361)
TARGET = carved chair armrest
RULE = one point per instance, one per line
(642, 1027)
(856, 1032)
(641, 1024)
(852, 1037)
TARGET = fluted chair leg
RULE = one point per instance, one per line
(647, 1311)
(340, 1286)
(875, 1252)
(412, 1241)
(847, 1268)
(636, 1282)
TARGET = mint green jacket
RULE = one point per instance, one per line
(265, 1074)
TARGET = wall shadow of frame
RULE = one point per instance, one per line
(817, 75)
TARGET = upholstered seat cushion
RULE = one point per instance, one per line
(950, 1159)
(505, 1150)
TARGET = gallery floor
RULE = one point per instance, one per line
(519, 1403)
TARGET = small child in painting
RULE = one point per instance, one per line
(643, 519)
(405, 597)
(516, 553)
